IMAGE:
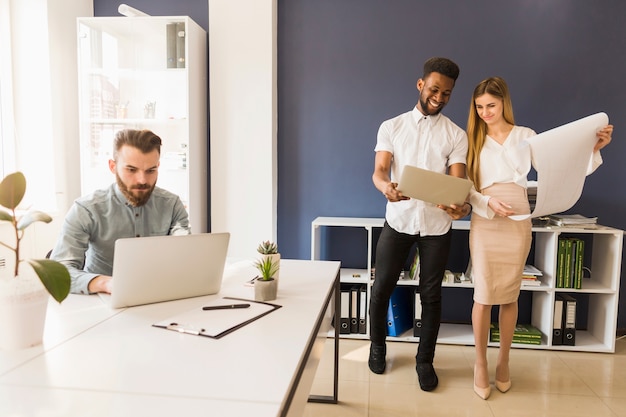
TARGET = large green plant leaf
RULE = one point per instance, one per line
(6, 216)
(12, 190)
(54, 277)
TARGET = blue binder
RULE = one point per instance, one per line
(400, 311)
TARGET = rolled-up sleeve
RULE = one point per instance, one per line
(71, 247)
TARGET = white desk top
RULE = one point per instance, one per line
(100, 362)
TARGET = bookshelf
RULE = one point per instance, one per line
(146, 73)
(597, 314)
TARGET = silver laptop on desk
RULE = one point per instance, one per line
(163, 268)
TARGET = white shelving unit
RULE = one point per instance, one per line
(146, 73)
(602, 288)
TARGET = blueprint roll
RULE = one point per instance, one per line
(562, 158)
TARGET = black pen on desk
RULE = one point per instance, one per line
(226, 307)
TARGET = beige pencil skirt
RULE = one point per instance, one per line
(499, 248)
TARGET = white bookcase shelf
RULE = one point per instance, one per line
(130, 77)
(601, 289)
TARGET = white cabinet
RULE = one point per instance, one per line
(146, 73)
(599, 293)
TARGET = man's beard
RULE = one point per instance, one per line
(135, 201)
(426, 110)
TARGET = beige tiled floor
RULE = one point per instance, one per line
(545, 383)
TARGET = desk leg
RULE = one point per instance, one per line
(337, 325)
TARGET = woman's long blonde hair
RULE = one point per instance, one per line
(477, 128)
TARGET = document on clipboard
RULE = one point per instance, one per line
(433, 187)
(217, 318)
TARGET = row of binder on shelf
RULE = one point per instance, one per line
(403, 313)
(569, 267)
(564, 325)
(563, 328)
(353, 309)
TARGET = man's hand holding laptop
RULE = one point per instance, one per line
(392, 193)
(457, 211)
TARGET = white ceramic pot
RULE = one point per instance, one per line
(23, 307)
(265, 290)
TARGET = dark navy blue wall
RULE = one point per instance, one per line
(345, 66)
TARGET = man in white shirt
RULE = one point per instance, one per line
(425, 138)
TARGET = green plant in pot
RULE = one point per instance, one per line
(266, 285)
(53, 275)
(269, 249)
(267, 268)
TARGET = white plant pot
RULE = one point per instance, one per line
(265, 290)
(23, 307)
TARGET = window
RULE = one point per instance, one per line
(7, 146)
(25, 101)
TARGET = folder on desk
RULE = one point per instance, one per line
(354, 309)
(417, 320)
(557, 324)
(363, 309)
(219, 322)
(569, 320)
(345, 312)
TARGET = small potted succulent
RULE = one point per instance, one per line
(23, 298)
(269, 249)
(266, 285)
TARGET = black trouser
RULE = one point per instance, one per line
(392, 251)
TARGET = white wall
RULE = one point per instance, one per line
(243, 109)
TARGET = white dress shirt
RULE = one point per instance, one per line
(428, 142)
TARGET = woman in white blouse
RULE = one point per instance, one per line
(498, 163)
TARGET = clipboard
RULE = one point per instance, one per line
(216, 324)
(433, 187)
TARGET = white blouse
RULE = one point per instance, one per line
(502, 163)
(506, 163)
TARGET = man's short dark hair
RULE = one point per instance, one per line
(443, 66)
(144, 140)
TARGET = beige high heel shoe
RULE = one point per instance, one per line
(481, 392)
(503, 386)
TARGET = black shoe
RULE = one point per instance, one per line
(376, 361)
(427, 376)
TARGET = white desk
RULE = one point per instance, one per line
(100, 362)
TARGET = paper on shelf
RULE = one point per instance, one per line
(532, 270)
